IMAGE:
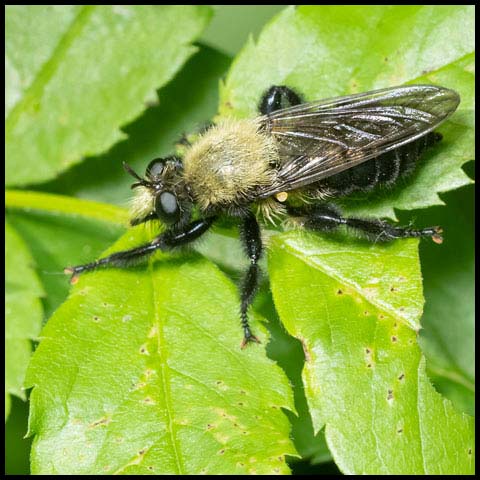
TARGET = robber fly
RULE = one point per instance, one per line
(289, 162)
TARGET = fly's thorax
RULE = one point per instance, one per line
(229, 162)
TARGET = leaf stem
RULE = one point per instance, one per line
(49, 202)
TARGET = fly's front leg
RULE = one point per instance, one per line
(166, 241)
(147, 218)
(328, 218)
(252, 242)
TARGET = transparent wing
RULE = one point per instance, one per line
(319, 139)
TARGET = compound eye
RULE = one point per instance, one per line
(155, 168)
(167, 208)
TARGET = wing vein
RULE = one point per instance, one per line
(320, 139)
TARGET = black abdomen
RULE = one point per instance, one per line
(383, 170)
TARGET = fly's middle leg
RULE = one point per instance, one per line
(252, 242)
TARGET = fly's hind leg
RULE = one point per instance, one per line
(252, 242)
(327, 218)
(278, 97)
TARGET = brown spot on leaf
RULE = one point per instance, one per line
(308, 358)
(102, 421)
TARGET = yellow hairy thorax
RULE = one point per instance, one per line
(227, 162)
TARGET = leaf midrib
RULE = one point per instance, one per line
(164, 376)
(51, 202)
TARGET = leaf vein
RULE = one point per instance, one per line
(333, 274)
(164, 377)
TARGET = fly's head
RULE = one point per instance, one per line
(162, 191)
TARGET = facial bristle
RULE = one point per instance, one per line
(142, 203)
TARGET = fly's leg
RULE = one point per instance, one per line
(252, 242)
(166, 241)
(185, 142)
(278, 97)
(147, 218)
(328, 218)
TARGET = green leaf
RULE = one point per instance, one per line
(23, 312)
(76, 74)
(224, 249)
(364, 374)
(328, 51)
(56, 241)
(232, 24)
(62, 231)
(140, 371)
(448, 337)
(184, 107)
(288, 353)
